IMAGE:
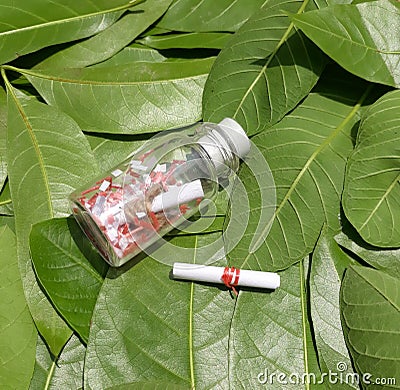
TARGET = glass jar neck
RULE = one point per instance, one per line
(220, 151)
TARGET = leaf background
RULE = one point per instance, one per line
(49, 22)
(370, 309)
(307, 153)
(208, 15)
(186, 41)
(110, 41)
(147, 330)
(372, 186)
(188, 320)
(124, 99)
(34, 147)
(360, 47)
(388, 259)
(270, 333)
(327, 268)
(250, 78)
(17, 330)
(69, 269)
(65, 373)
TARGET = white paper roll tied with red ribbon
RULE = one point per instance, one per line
(229, 276)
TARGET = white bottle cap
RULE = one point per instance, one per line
(232, 130)
(234, 138)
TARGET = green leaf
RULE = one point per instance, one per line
(307, 153)
(124, 99)
(360, 46)
(149, 328)
(270, 334)
(7, 220)
(201, 224)
(155, 30)
(371, 199)
(327, 267)
(43, 364)
(3, 132)
(17, 330)
(6, 207)
(370, 304)
(132, 54)
(264, 71)
(110, 41)
(111, 152)
(383, 259)
(69, 269)
(326, 3)
(66, 372)
(27, 27)
(246, 224)
(186, 41)
(208, 15)
(50, 147)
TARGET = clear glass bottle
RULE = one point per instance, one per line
(158, 187)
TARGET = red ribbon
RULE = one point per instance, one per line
(230, 277)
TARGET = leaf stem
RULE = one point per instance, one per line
(304, 320)
(191, 362)
(4, 76)
(10, 91)
(4, 202)
(230, 341)
(50, 374)
(200, 73)
(191, 352)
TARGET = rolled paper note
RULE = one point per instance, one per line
(229, 276)
(178, 195)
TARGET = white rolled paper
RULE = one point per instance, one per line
(178, 195)
(211, 274)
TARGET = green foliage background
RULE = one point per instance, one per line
(315, 85)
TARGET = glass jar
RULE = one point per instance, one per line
(158, 187)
